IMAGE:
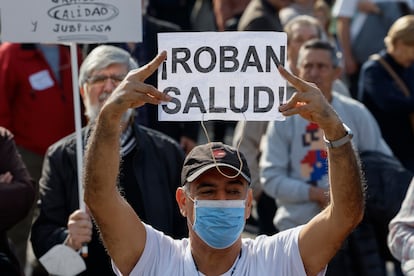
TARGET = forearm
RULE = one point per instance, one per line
(16, 200)
(114, 217)
(102, 161)
(346, 189)
(344, 35)
(344, 212)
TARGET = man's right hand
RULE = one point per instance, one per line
(132, 92)
(79, 229)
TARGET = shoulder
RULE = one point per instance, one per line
(17, 50)
(351, 109)
(372, 63)
(9, 47)
(348, 102)
(161, 253)
(156, 138)
(284, 247)
(286, 237)
(254, 12)
(340, 87)
(67, 144)
(255, 6)
(160, 25)
(7, 144)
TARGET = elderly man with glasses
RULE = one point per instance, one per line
(149, 189)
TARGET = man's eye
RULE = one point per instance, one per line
(97, 79)
(118, 78)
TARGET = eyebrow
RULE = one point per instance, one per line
(213, 185)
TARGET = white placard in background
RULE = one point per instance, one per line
(58, 21)
(222, 76)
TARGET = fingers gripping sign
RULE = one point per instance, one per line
(308, 101)
(132, 92)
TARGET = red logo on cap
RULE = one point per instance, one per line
(219, 153)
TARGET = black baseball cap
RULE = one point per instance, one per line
(210, 155)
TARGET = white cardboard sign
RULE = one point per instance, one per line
(222, 76)
(83, 21)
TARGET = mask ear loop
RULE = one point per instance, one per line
(237, 150)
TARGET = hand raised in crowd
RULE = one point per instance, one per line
(132, 92)
(310, 103)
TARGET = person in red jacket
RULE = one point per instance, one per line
(36, 105)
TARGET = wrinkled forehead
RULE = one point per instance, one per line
(315, 56)
(113, 68)
(304, 30)
(219, 177)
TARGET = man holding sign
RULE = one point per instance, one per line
(148, 187)
(215, 181)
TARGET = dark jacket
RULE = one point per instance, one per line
(260, 15)
(143, 53)
(156, 164)
(383, 97)
(16, 199)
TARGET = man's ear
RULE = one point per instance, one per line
(338, 72)
(82, 90)
(180, 197)
(249, 203)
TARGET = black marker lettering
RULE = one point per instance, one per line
(256, 100)
(245, 100)
(182, 60)
(251, 52)
(213, 59)
(194, 93)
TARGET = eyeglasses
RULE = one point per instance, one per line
(101, 79)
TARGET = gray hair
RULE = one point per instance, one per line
(318, 44)
(304, 20)
(102, 57)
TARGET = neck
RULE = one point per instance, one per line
(396, 55)
(211, 261)
(293, 69)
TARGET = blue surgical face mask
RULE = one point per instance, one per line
(219, 223)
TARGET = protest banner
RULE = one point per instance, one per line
(222, 76)
(81, 21)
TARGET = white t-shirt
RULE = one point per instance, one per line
(264, 255)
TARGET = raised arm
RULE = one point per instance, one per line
(328, 229)
(122, 231)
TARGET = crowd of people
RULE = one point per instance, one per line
(161, 201)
